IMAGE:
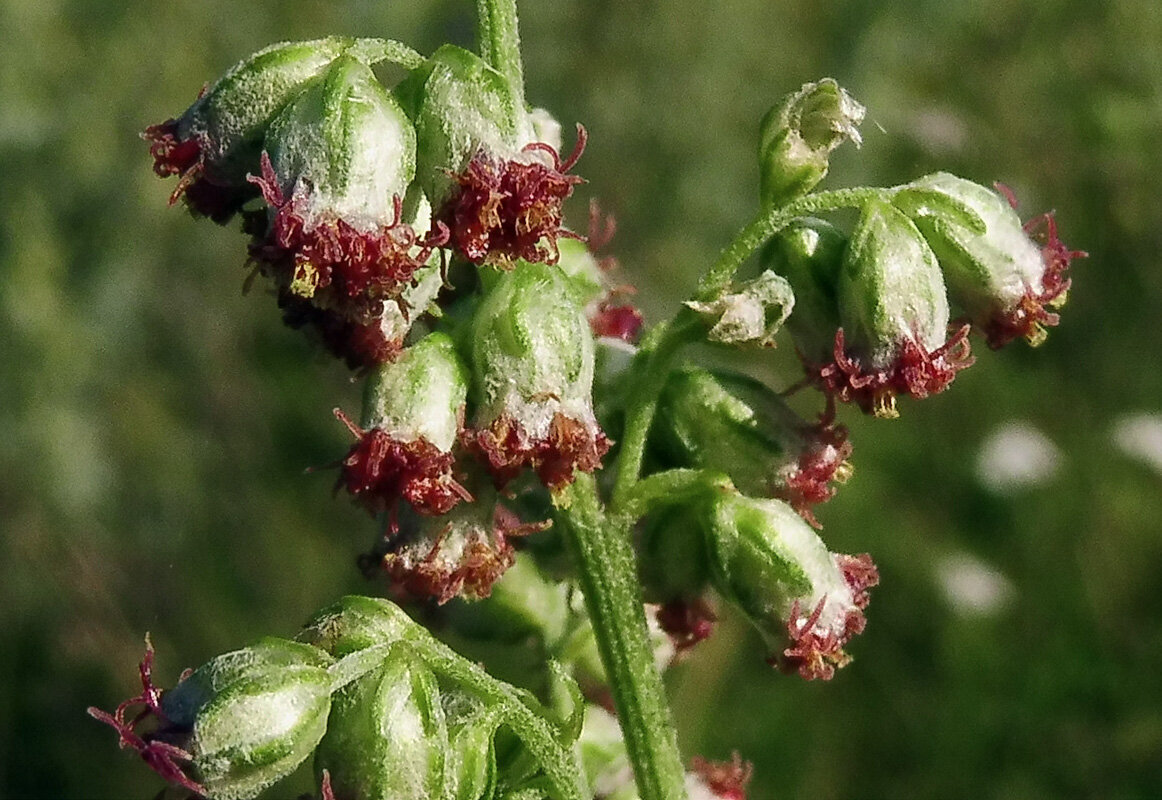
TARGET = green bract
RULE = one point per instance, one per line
(346, 139)
(533, 361)
(386, 738)
(890, 289)
(255, 714)
(420, 395)
(751, 314)
(809, 254)
(461, 106)
(797, 136)
(990, 263)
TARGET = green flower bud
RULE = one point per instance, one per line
(894, 312)
(797, 136)
(1002, 279)
(387, 738)
(496, 185)
(414, 408)
(217, 141)
(809, 254)
(753, 313)
(533, 358)
(738, 426)
(805, 601)
(254, 715)
(356, 623)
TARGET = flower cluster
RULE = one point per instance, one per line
(418, 230)
(361, 202)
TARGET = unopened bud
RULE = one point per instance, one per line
(738, 426)
(806, 601)
(797, 136)
(254, 714)
(533, 357)
(386, 738)
(996, 273)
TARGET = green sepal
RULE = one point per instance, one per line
(530, 340)
(809, 253)
(231, 117)
(890, 288)
(387, 738)
(420, 394)
(461, 106)
(346, 138)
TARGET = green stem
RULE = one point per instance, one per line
(767, 224)
(651, 366)
(499, 40)
(608, 573)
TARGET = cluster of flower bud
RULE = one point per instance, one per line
(386, 712)
(361, 203)
(886, 310)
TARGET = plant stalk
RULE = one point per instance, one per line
(608, 572)
(499, 40)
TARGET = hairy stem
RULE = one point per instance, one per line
(608, 572)
(767, 224)
(499, 39)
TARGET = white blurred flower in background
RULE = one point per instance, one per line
(1016, 456)
(1139, 436)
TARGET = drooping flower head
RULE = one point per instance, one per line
(738, 426)
(238, 723)
(893, 336)
(337, 165)
(807, 602)
(485, 164)
(217, 141)
(459, 554)
(1005, 281)
(414, 414)
(533, 362)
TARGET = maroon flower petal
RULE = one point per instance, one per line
(916, 372)
(504, 210)
(380, 469)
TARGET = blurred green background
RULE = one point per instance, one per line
(156, 423)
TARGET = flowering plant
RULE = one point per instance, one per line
(540, 464)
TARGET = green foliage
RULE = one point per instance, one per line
(157, 423)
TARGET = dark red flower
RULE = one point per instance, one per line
(506, 446)
(815, 650)
(726, 779)
(380, 469)
(915, 372)
(502, 210)
(205, 194)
